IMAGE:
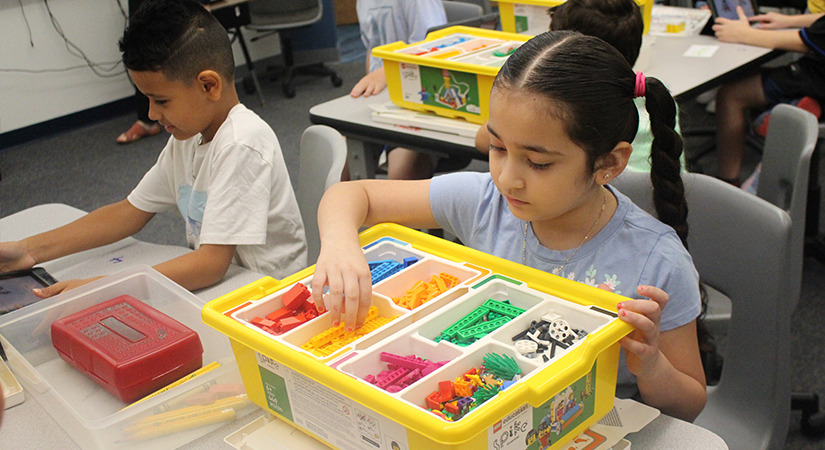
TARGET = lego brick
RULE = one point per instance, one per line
(280, 314)
(295, 297)
(502, 308)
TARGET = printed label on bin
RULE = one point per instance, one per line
(329, 415)
(531, 19)
(538, 428)
(440, 88)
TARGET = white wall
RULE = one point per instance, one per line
(93, 25)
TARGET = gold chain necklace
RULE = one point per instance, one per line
(586, 236)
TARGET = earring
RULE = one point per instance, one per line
(606, 176)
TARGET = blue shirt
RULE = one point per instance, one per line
(634, 248)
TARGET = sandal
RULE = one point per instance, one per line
(137, 131)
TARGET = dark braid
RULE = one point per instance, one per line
(665, 154)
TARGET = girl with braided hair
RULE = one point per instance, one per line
(561, 121)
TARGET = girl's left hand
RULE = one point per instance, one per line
(642, 345)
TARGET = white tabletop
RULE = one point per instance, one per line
(689, 76)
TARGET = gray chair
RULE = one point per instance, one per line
(322, 158)
(786, 164)
(741, 245)
(283, 16)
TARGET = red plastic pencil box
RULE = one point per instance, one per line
(127, 347)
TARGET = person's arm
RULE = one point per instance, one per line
(341, 265)
(102, 226)
(199, 269)
(776, 21)
(371, 84)
(667, 365)
(740, 32)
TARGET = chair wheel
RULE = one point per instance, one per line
(336, 80)
(289, 91)
(248, 85)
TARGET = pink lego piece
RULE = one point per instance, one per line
(294, 298)
(290, 323)
(370, 379)
(392, 378)
(410, 378)
(394, 388)
(409, 362)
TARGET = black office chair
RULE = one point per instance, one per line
(282, 17)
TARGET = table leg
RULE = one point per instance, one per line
(362, 157)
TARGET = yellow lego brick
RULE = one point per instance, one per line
(442, 286)
(449, 280)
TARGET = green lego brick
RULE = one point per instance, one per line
(502, 308)
(481, 329)
(467, 321)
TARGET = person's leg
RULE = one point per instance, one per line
(406, 164)
(732, 104)
(144, 125)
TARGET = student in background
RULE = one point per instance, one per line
(801, 80)
(383, 22)
(620, 24)
(546, 203)
(222, 168)
(143, 126)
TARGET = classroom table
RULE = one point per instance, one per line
(29, 426)
(685, 76)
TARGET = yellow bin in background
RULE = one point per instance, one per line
(450, 73)
(530, 16)
(332, 400)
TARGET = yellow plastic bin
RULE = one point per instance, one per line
(530, 16)
(450, 73)
(333, 400)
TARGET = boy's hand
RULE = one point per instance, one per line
(372, 84)
(344, 269)
(642, 345)
(62, 286)
(772, 21)
(732, 30)
(15, 256)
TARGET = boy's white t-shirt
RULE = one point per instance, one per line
(234, 190)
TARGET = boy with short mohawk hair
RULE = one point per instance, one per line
(222, 168)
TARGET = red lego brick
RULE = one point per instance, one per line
(280, 314)
(257, 321)
(445, 388)
(294, 298)
(290, 323)
(433, 400)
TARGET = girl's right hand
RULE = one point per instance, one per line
(15, 256)
(343, 267)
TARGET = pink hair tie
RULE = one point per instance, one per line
(640, 85)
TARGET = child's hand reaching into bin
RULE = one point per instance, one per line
(343, 267)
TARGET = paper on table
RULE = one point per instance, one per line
(395, 115)
(627, 416)
(701, 51)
